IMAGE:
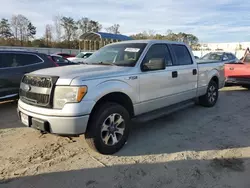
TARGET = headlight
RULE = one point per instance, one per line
(68, 94)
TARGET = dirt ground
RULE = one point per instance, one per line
(196, 147)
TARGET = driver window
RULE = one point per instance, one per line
(159, 51)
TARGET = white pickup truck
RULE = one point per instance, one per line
(140, 79)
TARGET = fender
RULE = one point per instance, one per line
(213, 73)
(111, 86)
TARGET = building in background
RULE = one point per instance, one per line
(237, 48)
(231, 46)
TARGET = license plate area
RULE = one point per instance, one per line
(24, 119)
(40, 125)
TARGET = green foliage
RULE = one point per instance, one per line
(113, 29)
(5, 30)
(67, 32)
(180, 37)
(31, 30)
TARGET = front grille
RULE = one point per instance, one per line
(37, 81)
(31, 88)
(36, 98)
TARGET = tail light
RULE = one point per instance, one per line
(53, 61)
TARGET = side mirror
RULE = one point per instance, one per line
(154, 64)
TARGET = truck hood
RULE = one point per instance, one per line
(82, 72)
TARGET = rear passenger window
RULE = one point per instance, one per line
(26, 59)
(6, 60)
(11, 60)
(159, 51)
(183, 56)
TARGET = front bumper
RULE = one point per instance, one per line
(72, 125)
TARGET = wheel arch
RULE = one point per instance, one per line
(116, 97)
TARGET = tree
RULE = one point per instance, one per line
(23, 29)
(22, 25)
(38, 43)
(113, 29)
(48, 34)
(83, 24)
(5, 30)
(87, 25)
(58, 27)
(14, 25)
(70, 28)
(31, 31)
(94, 26)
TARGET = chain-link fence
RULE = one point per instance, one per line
(44, 50)
(200, 53)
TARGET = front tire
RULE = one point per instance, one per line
(108, 128)
(211, 96)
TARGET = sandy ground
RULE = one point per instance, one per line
(196, 147)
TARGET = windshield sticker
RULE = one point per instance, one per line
(132, 50)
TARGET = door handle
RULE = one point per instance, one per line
(231, 68)
(174, 74)
(194, 71)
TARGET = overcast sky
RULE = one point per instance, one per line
(211, 21)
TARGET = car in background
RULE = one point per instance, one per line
(79, 58)
(226, 57)
(65, 55)
(61, 61)
(238, 73)
(14, 64)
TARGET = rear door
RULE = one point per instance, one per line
(187, 73)
(13, 66)
(10, 75)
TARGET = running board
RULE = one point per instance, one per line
(163, 111)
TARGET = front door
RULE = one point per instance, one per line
(159, 86)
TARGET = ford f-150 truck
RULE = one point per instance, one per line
(139, 79)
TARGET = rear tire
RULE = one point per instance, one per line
(108, 128)
(211, 96)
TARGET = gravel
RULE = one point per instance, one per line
(195, 147)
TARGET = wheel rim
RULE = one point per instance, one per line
(212, 94)
(112, 129)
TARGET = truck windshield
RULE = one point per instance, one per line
(125, 54)
(213, 56)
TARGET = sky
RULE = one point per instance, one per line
(210, 21)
